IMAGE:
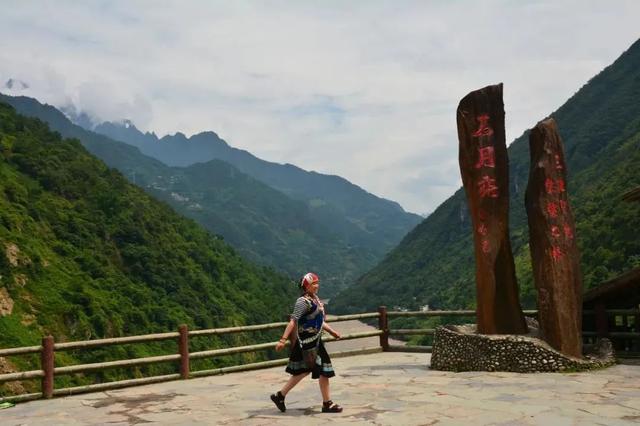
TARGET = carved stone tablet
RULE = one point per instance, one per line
(554, 253)
(485, 176)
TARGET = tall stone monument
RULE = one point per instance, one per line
(554, 253)
(485, 176)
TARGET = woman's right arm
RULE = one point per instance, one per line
(287, 332)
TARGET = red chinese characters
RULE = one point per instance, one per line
(568, 232)
(484, 231)
(556, 253)
(552, 209)
(548, 185)
(487, 187)
(555, 210)
(483, 126)
(554, 186)
(486, 157)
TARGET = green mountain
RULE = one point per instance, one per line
(358, 217)
(600, 127)
(85, 254)
(261, 223)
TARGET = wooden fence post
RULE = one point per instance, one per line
(183, 347)
(47, 363)
(383, 325)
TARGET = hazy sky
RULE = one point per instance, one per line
(362, 89)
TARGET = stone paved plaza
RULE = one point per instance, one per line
(376, 389)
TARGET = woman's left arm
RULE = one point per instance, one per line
(330, 330)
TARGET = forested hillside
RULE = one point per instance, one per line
(600, 126)
(358, 217)
(85, 254)
(261, 223)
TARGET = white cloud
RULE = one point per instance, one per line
(366, 90)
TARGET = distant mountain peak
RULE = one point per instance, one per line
(124, 123)
(78, 117)
(15, 84)
(208, 134)
(129, 125)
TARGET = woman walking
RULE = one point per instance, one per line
(308, 354)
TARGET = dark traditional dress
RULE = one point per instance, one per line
(308, 353)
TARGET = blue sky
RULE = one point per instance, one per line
(362, 89)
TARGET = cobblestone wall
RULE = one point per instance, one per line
(459, 348)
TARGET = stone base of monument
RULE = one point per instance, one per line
(460, 348)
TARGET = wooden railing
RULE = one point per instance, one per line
(424, 331)
(48, 348)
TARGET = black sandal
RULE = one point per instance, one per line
(330, 407)
(278, 399)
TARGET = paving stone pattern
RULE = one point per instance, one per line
(377, 389)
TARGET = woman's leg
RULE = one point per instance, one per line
(328, 406)
(324, 388)
(293, 380)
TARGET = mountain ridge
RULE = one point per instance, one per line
(126, 131)
(382, 216)
(85, 254)
(434, 262)
(263, 224)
